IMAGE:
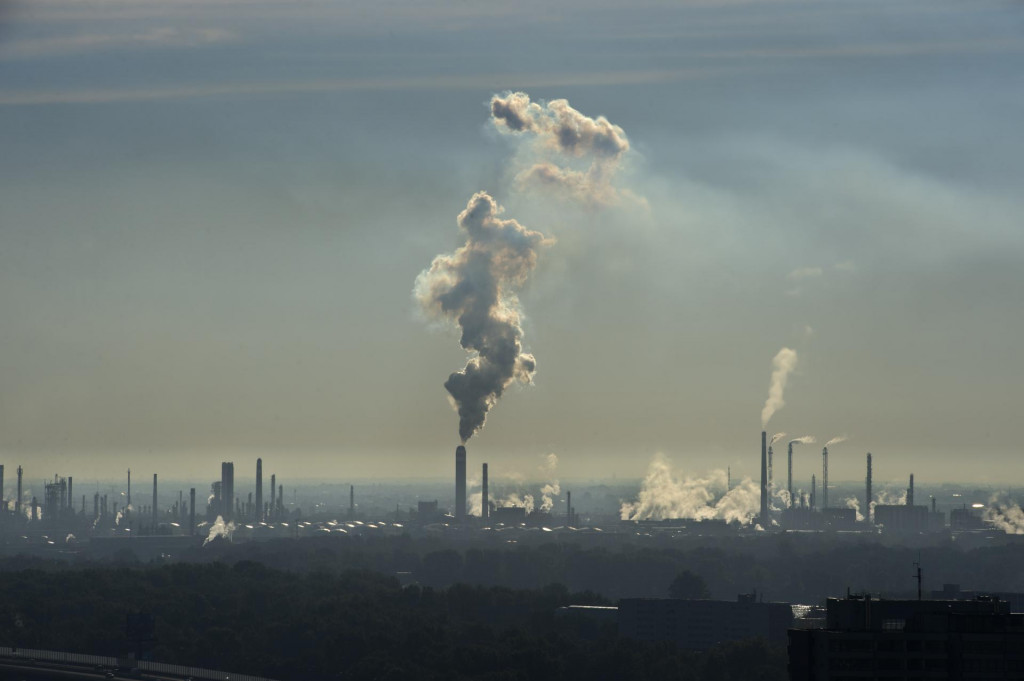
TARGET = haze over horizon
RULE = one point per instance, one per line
(213, 218)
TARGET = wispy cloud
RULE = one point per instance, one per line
(802, 273)
(159, 38)
(488, 82)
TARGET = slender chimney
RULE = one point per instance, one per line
(460, 484)
(814, 485)
(728, 479)
(867, 492)
(227, 490)
(351, 499)
(192, 511)
(485, 509)
(129, 500)
(568, 509)
(764, 480)
(771, 472)
(280, 497)
(3, 506)
(789, 474)
(273, 496)
(154, 501)
(17, 501)
(824, 477)
(910, 491)
(259, 490)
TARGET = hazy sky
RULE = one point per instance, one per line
(213, 213)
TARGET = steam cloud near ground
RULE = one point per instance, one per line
(666, 493)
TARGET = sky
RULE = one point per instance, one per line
(215, 211)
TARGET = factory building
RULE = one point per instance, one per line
(703, 624)
(877, 639)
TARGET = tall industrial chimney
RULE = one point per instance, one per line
(192, 511)
(128, 505)
(460, 484)
(485, 509)
(814, 486)
(273, 496)
(154, 501)
(352, 500)
(227, 490)
(3, 506)
(771, 472)
(789, 474)
(867, 492)
(70, 502)
(17, 501)
(824, 477)
(259, 490)
(764, 480)
(568, 509)
(910, 491)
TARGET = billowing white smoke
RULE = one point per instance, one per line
(854, 503)
(1005, 514)
(783, 365)
(836, 440)
(889, 498)
(475, 287)
(805, 440)
(219, 529)
(666, 494)
(552, 489)
(572, 153)
(518, 500)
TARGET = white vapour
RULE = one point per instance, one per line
(517, 500)
(836, 440)
(551, 489)
(776, 438)
(805, 440)
(854, 503)
(573, 154)
(1005, 514)
(783, 365)
(219, 529)
(887, 497)
(665, 494)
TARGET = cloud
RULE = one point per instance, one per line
(804, 273)
(165, 37)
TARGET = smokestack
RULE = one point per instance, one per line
(910, 491)
(3, 506)
(273, 495)
(17, 501)
(789, 475)
(259, 490)
(867, 491)
(460, 484)
(96, 505)
(771, 474)
(154, 500)
(192, 511)
(227, 490)
(728, 479)
(351, 499)
(764, 480)
(70, 497)
(485, 509)
(280, 497)
(824, 477)
(568, 509)
(814, 484)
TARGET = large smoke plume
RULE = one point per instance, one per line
(574, 154)
(783, 365)
(667, 494)
(476, 287)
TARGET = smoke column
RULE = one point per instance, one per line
(782, 366)
(836, 440)
(475, 287)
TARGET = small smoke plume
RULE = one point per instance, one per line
(575, 154)
(475, 287)
(1005, 514)
(887, 497)
(219, 529)
(552, 489)
(805, 440)
(70, 539)
(783, 365)
(854, 503)
(665, 494)
(776, 438)
(515, 499)
(836, 440)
